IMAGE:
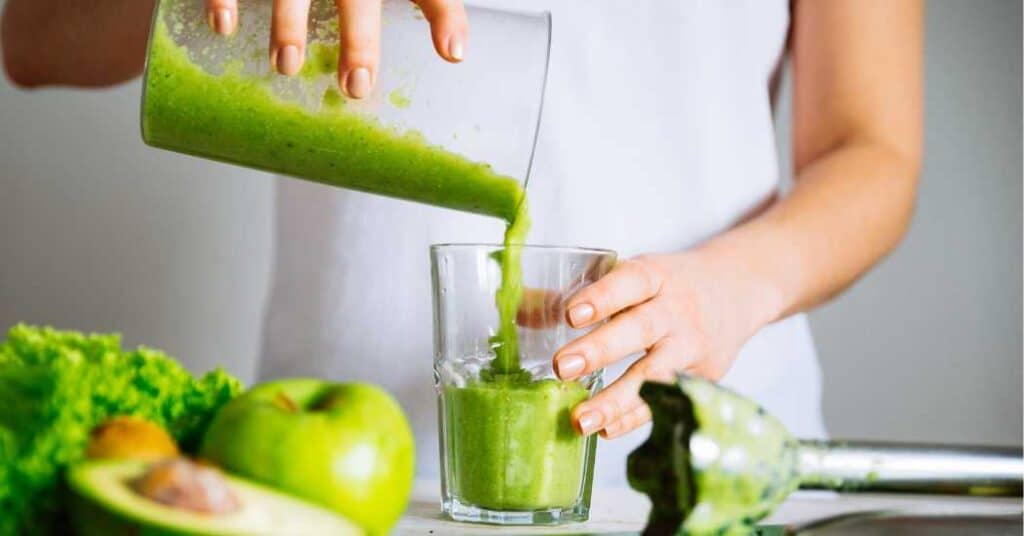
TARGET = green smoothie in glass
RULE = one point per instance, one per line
(514, 444)
(525, 453)
(511, 435)
(510, 454)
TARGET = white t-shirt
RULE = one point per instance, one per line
(657, 133)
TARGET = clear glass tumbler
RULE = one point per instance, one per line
(509, 453)
(459, 136)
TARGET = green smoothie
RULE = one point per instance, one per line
(510, 440)
(236, 118)
(512, 446)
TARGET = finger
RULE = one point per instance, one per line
(449, 27)
(540, 308)
(632, 420)
(359, 29)
(222, 15)
(597, 268)
(288, 35)
(632, 331)
(622, 396)
(632, 282)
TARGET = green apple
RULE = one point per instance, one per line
(346, 446)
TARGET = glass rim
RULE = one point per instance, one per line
(537, 247)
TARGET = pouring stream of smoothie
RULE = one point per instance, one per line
(510, 294)
(235, 117)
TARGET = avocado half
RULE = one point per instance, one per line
(104, 503)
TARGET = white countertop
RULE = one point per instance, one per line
(625, 510)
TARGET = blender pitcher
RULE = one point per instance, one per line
(458, 136)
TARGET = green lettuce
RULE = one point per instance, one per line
(55, 386)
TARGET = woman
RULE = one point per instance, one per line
(657, 141)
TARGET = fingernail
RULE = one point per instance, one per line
(581, 314)
(221, 21)
(610, 430)
(455, 48)
(569, 366)
(590, 422)
(288, 60)
(357, 83)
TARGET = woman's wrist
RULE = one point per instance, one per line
(757, 272)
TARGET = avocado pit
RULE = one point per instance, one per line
(185, 484)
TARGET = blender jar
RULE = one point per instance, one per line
(458, 136)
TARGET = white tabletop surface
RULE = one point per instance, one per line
(624, 510)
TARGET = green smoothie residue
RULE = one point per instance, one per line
(321, 59)
(748, 465)
(512, 446)
(399, 98)
(715, 462)
(332, 99)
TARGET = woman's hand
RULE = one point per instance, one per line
(359, 32)
(689, 312)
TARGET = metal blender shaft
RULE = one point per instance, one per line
(912, 468)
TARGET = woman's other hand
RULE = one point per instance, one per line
(689, 312)
(359, 33)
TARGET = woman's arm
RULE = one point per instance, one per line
(856, 149)
(857, 152)
(91, 43)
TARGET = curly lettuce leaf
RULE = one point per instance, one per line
(55, 386)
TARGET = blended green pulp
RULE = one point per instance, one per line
(236, 118)
(512, 446)
(731, 496)
(715, 462)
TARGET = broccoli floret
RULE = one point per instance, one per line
(55, 386)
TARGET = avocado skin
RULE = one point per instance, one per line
(90, 519)
(100, 503)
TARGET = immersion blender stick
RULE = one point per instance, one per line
(910, 468)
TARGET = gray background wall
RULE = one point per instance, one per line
(99, 233)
